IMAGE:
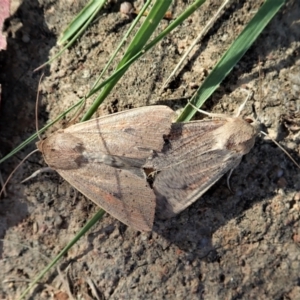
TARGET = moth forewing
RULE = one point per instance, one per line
(103, 159)
(199, 153)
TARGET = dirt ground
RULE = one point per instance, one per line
(226, 246)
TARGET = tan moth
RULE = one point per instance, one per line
(196, 155)
(103, 158)
(109, 158)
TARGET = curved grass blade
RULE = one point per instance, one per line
(80, 20)
(35, 135)
(124, 39)
(127, 61)
(195, 42)
(121, 71)
(76, 35)
(151, 22)
(236, 51)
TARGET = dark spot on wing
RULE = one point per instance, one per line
(129, 130)
(79, 148)
(80, 160)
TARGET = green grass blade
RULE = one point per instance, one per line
(76, 35)
(238, 48)
(35, 135)
(80, 20)
(124, 39)
(151, 22)
(133, 54)
(172, 26)
(82, 232)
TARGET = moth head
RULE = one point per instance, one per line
(39, 145)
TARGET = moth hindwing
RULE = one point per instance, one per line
(196, 155)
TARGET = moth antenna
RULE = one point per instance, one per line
(36, 108)
(241, 107)
(34, 151)
(34, 174)
(278, 145)
(274, 141)
(15, 169)
(205, 112)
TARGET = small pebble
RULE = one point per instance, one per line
(126, 8)
(25, 38)
(297, 196)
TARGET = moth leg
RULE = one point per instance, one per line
(75, 195)
(2, 185)
(40, 171)
(228, 181)
(212, 115)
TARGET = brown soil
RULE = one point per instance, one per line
(225, 246)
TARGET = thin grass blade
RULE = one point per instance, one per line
(81, 233)
(80, 20)
(236, 51)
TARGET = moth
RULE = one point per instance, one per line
(109, 160)
(103, 159)
(195, 156)
(137, 162)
